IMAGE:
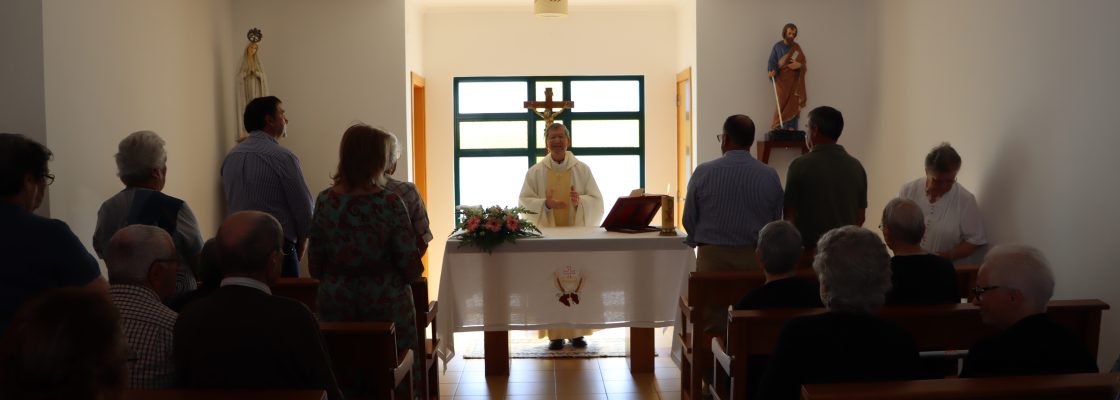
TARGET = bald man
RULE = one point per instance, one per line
(242, 337)
(143, 266)
(1012, 289)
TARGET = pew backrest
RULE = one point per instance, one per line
(1065, 386)
(304, 290)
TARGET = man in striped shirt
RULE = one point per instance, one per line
(729, 200)
(259, 174)
(142, 264)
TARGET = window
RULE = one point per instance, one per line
(497, 140)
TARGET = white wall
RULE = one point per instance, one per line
(686, 58)
(332, 64)
(1021, 88)
(414, 63)
(734, 42)
(115, 67)
(595, 41)
(22, 108)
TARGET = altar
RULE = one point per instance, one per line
(573, 277)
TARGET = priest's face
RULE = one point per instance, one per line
(558, 142)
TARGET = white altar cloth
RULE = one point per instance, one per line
(628, 280)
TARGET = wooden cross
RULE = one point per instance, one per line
(548, 115)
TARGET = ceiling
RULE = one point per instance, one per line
(528, 4)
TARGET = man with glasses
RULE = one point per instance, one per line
(39, 253)
(729, 200)
(1012, 289)
(143, 266)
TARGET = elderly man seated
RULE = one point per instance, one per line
(1012, 289)
(917, 276)
(242, 337)
(142, 167)
(848, 343)
(142, 267)
(779, 247)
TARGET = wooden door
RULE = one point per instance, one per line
(684, 140)
(420, 144)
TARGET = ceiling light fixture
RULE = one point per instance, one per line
(550, 8)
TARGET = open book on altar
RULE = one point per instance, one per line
(633, 214)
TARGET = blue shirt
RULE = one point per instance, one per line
(38, 254)
(259, 174)
(730, 199)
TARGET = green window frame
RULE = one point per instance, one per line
(531, 152)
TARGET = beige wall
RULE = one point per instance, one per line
(115, 67)
(22, 108)
(1021, 88)
(588, 42)
(686, 58)
(333, 64)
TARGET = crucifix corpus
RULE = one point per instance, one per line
(548, 115)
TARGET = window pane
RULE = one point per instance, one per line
(615, 175)
(493, 135)
(594, 133)
(538, 131)
(488, 181)
(557, 90)
(597, 96)
(492, 97)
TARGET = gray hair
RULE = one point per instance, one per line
(394, 148)
(905, 220)
(943, 158)
(1023, 268)
(138, 154)
(779, 247)
(854, 266)
(557, 125)
(133, 249)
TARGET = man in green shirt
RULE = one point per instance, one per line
(826, 188)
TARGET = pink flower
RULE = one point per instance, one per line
(494, 225)
(512, 223)
(473, 223)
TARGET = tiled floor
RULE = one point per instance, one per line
(564, 379)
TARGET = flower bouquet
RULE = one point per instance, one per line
(488, 228)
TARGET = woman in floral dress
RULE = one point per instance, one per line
(363, 249)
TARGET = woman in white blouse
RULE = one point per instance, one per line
(954, 228)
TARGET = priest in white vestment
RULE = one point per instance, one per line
(562, 191)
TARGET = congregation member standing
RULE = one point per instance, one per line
(39, 253)
(562, 192)
(417, 212)
(954, 227)
(142, 264)
(917, 276)
(1012, 289)
(142, 167)
(363, 247)
(826, 188)
(259, 174)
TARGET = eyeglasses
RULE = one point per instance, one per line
(167, 260)
(979, 291)
(719, 138)
(49, 178)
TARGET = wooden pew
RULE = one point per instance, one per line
(706, 289)
(966, 279)
(304, 290)
(365, 360)
(192, 394)
(934, 328)
(425, 317)
(1038, 387)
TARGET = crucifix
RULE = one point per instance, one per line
(548, 115)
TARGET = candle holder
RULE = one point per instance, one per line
(668, 224)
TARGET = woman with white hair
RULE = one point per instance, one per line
(848, 343)
(142, 167)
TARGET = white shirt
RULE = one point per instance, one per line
(954, 218)
(247, 282)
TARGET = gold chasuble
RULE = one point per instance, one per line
(560, 184)
(553, 180)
